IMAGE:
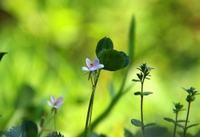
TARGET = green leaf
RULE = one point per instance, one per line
(26, 129)
(2, 54)
(192, 125)
(55, 134)
(136, 122)
(131, 39)
(103, 44)
(137, 93)
(135, 80)
(144, 93)
(128, 133)
(169, 120)
(97, 135)
(150, 124)
(113, 60)
(181, 121)
(29, 129)
(179, 125)
(147, 93)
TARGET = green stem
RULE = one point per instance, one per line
(90, 107)
(141, 108)
(110, 107)
(175, 125)
(50, 117)
(187, 117)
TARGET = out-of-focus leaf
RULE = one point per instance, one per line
(150, 124)
(97, 135)
(192, 125)
(136, 122)
(113, 60)
(155, 131)
(131, 40)
(29, 129)
(181, 121)
(25, 96)
(103, 44)
(135, 80)
(146, 93)
(128, 133)
(137, 93)
(169, 120)
(26, 129)
(55, 134)
(2, 54)
(13, 132)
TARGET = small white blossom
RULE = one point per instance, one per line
(55, 103)
(92, 66)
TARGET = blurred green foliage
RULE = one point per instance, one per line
(48, 40)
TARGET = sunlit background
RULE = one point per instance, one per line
(48, 40)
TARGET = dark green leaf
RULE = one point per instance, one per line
(55, 134)
(131, 39)
(2, 54)
(150, 124)
(128, 133)
(181, 121)
(147, 93)
(135, 80)
(113, 60)
(103, 44)
(136, 122)
(169, 120)
(137, 93)
(192, 125)
(97, 135)
(179, 125)
(29, 129)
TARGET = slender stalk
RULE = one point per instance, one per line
(187, 117)
(46, 122)
(175, 125)
(141, 108)
(90, 107)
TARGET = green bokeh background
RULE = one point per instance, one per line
(48, 40)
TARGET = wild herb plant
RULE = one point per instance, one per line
(177, 108)
(55, 104)
(192, 92)
(143, 75)
(30, 129)
(107, 59)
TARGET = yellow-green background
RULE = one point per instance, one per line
(48, 40)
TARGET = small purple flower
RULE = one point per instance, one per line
(92, 66)
(55, 103)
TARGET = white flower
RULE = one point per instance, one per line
(92, 66)
(55, 102)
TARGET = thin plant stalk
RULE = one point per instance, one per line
(94, 82)
(141, 108)
(47, 122)
(175, 124)
(186, 121)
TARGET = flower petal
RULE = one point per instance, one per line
(96, 62)
(50, 103)
(100, 66)
(88, 62)
(85, 69)
(59, 102)
(52, 99)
